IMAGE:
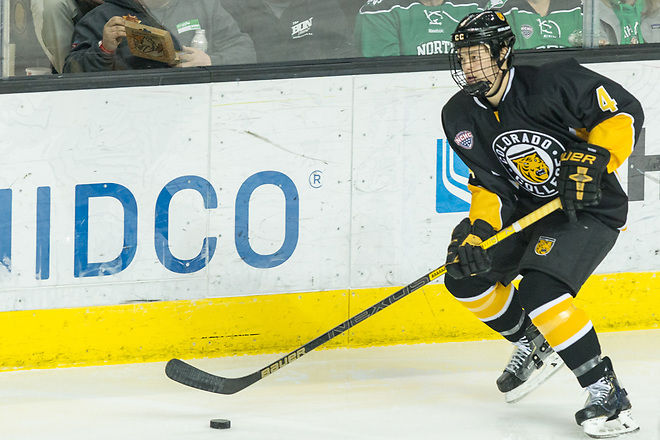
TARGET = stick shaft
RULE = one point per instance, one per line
(191, 376)
(521, 224)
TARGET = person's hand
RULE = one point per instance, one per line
(191, 57)
(113, 32)
(580, 172)
(464, 255)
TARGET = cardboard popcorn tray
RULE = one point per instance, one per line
(150, 42)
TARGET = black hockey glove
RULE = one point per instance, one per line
(464, 256)
(580, 173)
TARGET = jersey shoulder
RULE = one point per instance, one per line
(506, 6)
(565, 70)
(462, 6)
(457, 106)
(381, 6)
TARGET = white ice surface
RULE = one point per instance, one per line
(429, 391)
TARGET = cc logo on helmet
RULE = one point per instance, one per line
(500, 15)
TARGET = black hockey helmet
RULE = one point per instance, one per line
(489, 28)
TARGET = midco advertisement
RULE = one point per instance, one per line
(115, 196)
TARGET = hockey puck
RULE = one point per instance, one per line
(220, 424)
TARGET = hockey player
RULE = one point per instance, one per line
(530, 134)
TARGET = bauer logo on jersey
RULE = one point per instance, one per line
(544, 245)
(532, 160)
(464, 139)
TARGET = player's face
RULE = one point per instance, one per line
(477, 64)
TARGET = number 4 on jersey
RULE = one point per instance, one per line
(605, 101)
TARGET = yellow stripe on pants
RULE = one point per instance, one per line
(562, 323)
(491, 304)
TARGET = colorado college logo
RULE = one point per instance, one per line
(544, 245)
(532, 160)
(531, 166)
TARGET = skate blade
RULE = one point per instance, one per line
(551, 365)
(600, 427)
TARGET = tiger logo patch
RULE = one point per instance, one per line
(531, 166)
(544, 245)
(532, 160)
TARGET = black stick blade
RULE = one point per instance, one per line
(186, 374)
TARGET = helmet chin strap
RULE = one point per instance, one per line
(499, 81)
(500, 76)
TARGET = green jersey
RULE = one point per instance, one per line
(394, 27)
(560, 27)
(630, 18)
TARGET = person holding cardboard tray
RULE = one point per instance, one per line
(146, 34)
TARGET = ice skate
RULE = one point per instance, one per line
(607, 410)
(532, 363)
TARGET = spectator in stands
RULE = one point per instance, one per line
(631, 21)
(99, 42)
(53, 23)
(543, 24)
(287, 30)
(409, 27)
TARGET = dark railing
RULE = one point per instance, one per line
(304, 69)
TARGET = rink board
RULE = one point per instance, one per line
(252, 216)
(149, 332)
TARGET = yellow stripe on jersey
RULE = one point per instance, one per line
(582, 133)
(617, 135)
(487, 206)
(561, 322)
(491, 304)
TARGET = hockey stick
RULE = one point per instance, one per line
(186, 374)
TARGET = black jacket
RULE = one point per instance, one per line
(227, 44)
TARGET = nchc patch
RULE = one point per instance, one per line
(544, 245)
(465, 139)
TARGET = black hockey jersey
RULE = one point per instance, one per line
(513, 152)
